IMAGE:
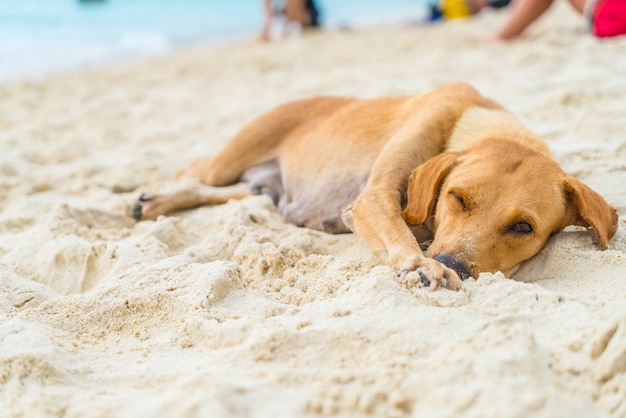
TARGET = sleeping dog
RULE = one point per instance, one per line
(451, 160)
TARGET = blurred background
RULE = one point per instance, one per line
(39, 37)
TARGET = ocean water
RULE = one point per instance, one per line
(39, 37)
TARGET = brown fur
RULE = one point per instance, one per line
(475, 176)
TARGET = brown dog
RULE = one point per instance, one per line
(485, 186)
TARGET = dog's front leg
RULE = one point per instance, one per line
(375, 217)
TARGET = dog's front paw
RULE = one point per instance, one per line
(432, 273)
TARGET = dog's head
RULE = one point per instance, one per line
(495, 205)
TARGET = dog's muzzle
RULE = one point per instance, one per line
(453, 263)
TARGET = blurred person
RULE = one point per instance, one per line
(296, 14)
(458, 9)
(606, 18)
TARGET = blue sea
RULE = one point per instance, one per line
(39, 37)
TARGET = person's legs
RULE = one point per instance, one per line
(522, 14)
(579, 5)
(295, 11)
(267, 20)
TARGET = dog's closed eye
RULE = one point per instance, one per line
(461, 199)
(521, 228)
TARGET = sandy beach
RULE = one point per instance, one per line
(229, 311)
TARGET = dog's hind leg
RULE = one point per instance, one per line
(261, 179)
(150, 206)
(258, 144)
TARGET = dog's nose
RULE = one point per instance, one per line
(455, 264)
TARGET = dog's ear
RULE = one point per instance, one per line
(587, 208)
(424, 185)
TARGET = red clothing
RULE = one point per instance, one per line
(609, 18)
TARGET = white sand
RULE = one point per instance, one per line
(229, 311)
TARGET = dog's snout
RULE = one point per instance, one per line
(455, 264)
